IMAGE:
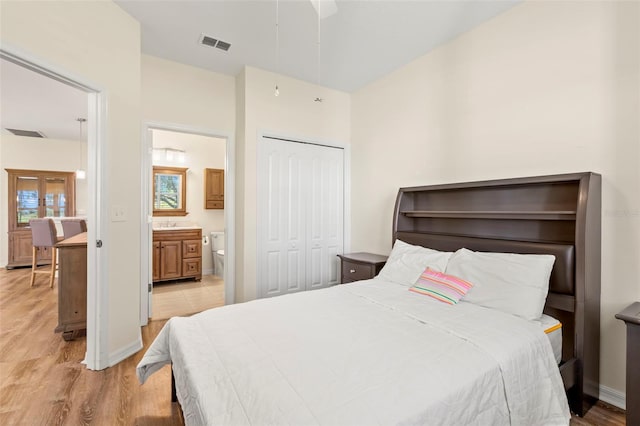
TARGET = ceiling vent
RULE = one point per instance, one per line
(212, 42)
(27, 133)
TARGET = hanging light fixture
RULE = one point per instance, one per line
(81, 173)
(277, 91)
(318, 8)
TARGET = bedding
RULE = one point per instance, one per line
(553, 329)
(370, 352)
(406, 262)
(513, 283)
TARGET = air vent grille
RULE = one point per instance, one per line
(209, 41)
(214, 42)
(223, 45)
(27, 133)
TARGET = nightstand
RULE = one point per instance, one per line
(631, 316)
(360, 266)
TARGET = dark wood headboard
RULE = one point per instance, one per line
(557, 214)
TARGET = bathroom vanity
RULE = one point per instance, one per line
(177, 253)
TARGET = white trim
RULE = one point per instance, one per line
(125, 352)
(347, 199)
(145, 233)
(97, 260)
(229, 207)
(613, 397)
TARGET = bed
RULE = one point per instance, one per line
(372, 352)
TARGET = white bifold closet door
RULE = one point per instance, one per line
(300, 216)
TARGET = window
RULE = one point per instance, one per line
(169, 191)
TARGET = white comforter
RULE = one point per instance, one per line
(365, 353)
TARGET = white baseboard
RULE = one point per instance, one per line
(613, 397)
(125, 352)
(207, 272)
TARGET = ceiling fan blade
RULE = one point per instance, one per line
(324, 8)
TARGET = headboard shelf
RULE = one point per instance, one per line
(494, 214)
(555, 214)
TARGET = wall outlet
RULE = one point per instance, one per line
(118, 213)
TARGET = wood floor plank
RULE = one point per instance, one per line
(42, 380)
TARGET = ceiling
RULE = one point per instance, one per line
(360, 43)
(31, 101)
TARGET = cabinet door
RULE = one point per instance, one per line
(20, 248)
(27, 199)
(171, 259)
(214, 189)
(156, 260)
(55, 196)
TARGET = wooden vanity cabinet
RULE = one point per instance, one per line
(177, 254)
(214, 189)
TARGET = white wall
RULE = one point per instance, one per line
(181, 94)
(98, 42)
(201, 152)
(292, 114)
(18, 152)
(546, 87)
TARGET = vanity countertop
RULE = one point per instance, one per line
(174, 226)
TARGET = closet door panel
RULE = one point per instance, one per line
(297, 242)
(326, 227)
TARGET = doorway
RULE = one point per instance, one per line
(96, 340)
(170, 284)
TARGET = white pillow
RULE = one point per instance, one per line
(513, 283)
(406, 262)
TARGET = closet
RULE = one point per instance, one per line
(300, 216)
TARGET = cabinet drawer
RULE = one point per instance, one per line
(211, 204)
(352, 271)
(191, 248)
(191, 267)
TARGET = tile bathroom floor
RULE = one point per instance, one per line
(182, 298)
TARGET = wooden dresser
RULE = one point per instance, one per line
(72, 286)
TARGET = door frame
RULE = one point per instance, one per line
(346, 193)
(96, 357)
(146, 212)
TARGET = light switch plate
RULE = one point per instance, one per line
(118, 213)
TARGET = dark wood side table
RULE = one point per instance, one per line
(631, 316)
(360, 266)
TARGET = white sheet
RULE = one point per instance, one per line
(554, 334)
(368, 353)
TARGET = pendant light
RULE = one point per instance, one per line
(80, 173)
(277, 91)
(319, 10)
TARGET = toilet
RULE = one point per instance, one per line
(217, 251)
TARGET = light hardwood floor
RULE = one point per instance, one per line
(42, 380)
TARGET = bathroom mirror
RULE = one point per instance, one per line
(169, 191)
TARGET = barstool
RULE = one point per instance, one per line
(43, 234)
(71, 227)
